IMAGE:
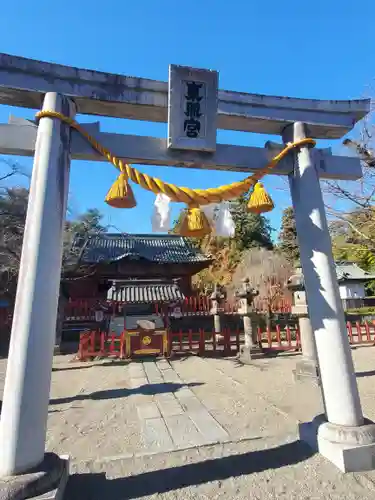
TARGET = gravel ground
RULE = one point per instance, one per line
(195, 428)
(266, 469)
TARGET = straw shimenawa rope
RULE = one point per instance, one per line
(192, 197)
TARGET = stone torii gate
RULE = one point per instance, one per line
(342, 435)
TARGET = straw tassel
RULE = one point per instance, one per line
(121, 194)
(194, 223)
(260, 201)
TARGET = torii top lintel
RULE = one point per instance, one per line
(23, 82)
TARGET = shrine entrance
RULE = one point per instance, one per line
(194, 108)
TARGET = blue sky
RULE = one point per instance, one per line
(323, 49)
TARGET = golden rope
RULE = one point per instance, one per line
(192, 197)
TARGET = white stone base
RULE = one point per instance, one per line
(58, 493)
(351, 449)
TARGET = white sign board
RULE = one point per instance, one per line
(131, 321)
(192, 108)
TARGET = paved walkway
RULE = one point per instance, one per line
(195, 428)
(170, 414)
(118, 410)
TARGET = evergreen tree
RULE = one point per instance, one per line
(252, 230)
(87, 223)
(288, 243)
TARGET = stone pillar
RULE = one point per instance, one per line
(340, 435)
(217, 323)
(307, 367)
(250, 349)
(307, 339)
(27, 384)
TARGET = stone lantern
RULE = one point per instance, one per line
(307, 367)
(246, 296)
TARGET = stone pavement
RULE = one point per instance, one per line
(171, 416)
(195, 428)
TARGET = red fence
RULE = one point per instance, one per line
(100, 344)
(204, 343)
(80, 310)
(280, 340)
(361, 333)
(288, 339)
(199, 306)
(230, 341)
(97, 344)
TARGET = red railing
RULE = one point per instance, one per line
(204, 342)
(199, 306)
(361, 333)
(229, 342)
(279, 340)
(80, 310)
(84, 310)
(201, 342)
(100, 344)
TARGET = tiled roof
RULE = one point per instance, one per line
(111, 247)
(140, 293)
(347, 271)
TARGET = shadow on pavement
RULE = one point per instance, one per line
(98, 487)
(147, 389)
(112, 364)
(370, 373)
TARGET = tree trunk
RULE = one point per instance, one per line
(269, 316)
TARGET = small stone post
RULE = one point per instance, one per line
(217, 298)
(251, 349)
(307, 367)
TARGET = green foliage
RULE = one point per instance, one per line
(87, 223)
(353, 238)
(252, 230)
(13, 208)
(288, 243)
(361, 311)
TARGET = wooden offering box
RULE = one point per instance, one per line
(146, 340)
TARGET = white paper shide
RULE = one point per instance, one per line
(161, 216)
